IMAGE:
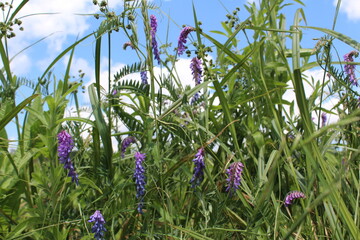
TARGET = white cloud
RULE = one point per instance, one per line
(328, 102)
(351, 8)
(21, 65)
(55, 16)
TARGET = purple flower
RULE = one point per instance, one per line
(125, 144)
(196, 71)
(293, 195)
(144, 78)
(139, 176)
(98, 227)
(349, 68)
(323, 119)
(182, 39)
(65, 146)
(198, 175)
(153, 25)
(234, 177)
(128, 44)
(114, 92)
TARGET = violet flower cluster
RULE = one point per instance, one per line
(98, 227)
(323, 119)
(65, 146)
(198, 175)
(349, 68)
(182, 39)
(139, 176)
(234, 173)
(125, 144)
(144, 77)
(153, 25)
(196, 71)
(291, 196)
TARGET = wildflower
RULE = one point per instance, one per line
(98, 227)
(196, 71)
(349, 68)
(139, 175)
(234, 176)
(114, 92)
(195, 98)
(293, 195)
(128, 44)
(153, 25)
(65, 146)
(125, 144)
(182, 39)
(198, 175)
(323, 119)
(144, 78)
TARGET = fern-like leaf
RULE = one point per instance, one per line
(128, 69)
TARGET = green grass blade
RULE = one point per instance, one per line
(9, 116)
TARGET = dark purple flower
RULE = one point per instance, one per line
(292, 196)
(139, 176)
(65, 146)
(234, 177)
(196, 71)
(323, 119)
(198, 175)
(182, 39)
(195, 98)
(153, 25)
(98, 227)
(144, 78)
(128, 44)
(349, 68)
(125, 144)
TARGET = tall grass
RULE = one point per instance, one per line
(241, 116)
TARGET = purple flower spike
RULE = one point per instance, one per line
(292, 196)
(198, 175)
(98, 227)
(139, 176)
(153, 25)
(65, 146)
(349, 68)
(323, 119)
(125, 144)
(182, 39)
(144, 78)
(234, 177)
(196, 71)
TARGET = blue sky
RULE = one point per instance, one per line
(66, 26)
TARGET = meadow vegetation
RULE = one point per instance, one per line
(227, 158)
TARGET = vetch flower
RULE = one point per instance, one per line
(349, 68)
(196, 71)
(65, 146)
(198, 175)
(144, 78)
(182, 39)
(125, 144)
(153, 25)
(323, 119)
(234, 176)
(98, 227)
(139, 176)
(292, 196)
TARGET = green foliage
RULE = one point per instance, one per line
(242, 116)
